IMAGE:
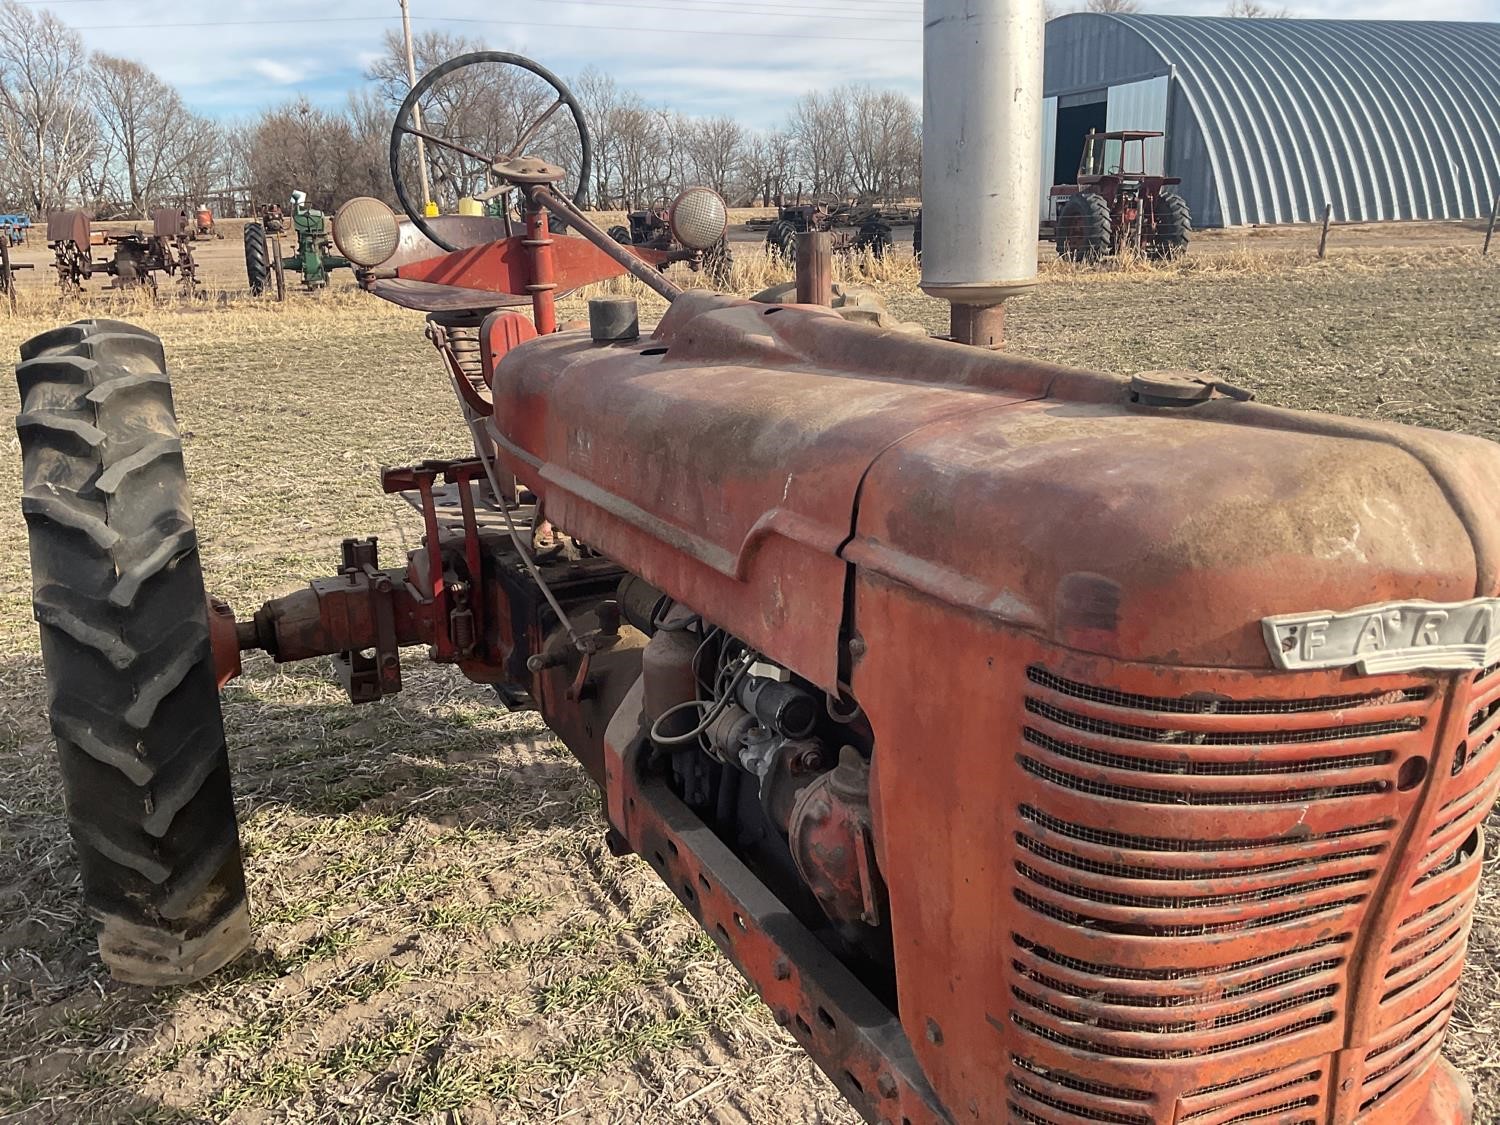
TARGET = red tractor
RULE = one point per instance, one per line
(1028, 777)
(1117, 207)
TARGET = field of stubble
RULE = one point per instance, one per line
(441, 934)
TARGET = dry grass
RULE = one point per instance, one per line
(440, 933)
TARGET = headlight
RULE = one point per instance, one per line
(366, 231)
(698, 218)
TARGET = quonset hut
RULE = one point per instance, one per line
(1269, 120)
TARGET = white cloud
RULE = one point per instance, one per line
(704, 58)
(273, 71)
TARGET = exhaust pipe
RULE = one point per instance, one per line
(981, 157)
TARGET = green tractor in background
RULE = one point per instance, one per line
(265, 265)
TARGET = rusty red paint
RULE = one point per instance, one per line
(542, 283)
(223, 640)
(762, 499)
(849, 1033)
(505, 266)
(832, 842)
(1132, 873)
(69, 226)
(1087, 930)
(500, 332)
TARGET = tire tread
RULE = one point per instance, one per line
(118, 596)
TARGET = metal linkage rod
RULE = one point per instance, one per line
(641, 271)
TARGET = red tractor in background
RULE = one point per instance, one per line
(1116, 207)
(1027, 776)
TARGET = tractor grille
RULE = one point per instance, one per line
(1191, 875)
(1035, 1090)
(1425, 953)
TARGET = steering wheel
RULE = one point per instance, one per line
(403, 127)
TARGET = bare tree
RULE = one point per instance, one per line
(145, 130)
(1123, 7)
(239, 145)
(298, 147)
(643, 156)
(639, 152)
(781, 161)
(430, 49)
(367, 170)
(1251, 10)
(766, 166)
(199, 162)
(47, 130)
(817, 127)
(716, 149)
(672, 164)
(599, 95)
(855, 139)
(883, 136)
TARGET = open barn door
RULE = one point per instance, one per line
(1142, 105)
(1049, 155)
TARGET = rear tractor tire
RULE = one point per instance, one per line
(1084, 231)
(876, 238)
(781, 241)
(1174, 228)
(134, 700)
(257, 259)
(718, 267)
(621, 235)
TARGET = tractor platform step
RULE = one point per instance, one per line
(487, 511)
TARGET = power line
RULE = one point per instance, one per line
(757, 9)
(760, 9)
(708, 7)
(496, 23)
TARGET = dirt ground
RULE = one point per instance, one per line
(440, 933)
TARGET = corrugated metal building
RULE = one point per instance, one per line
(1268, 120)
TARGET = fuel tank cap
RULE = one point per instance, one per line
(1181, 388)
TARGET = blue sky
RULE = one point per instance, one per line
(748, 58)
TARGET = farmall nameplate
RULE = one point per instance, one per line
(1395, 637)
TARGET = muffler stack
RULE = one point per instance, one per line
(981, 157)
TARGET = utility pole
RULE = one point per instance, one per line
(416, 110)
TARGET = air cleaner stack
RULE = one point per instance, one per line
(981, 153)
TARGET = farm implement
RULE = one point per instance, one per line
(652, 228)
(14, 229)
(873, 232)
(204, 225)
(8, 270)
(138, 255)
(1036, 741)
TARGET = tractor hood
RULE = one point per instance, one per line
(746, 456)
